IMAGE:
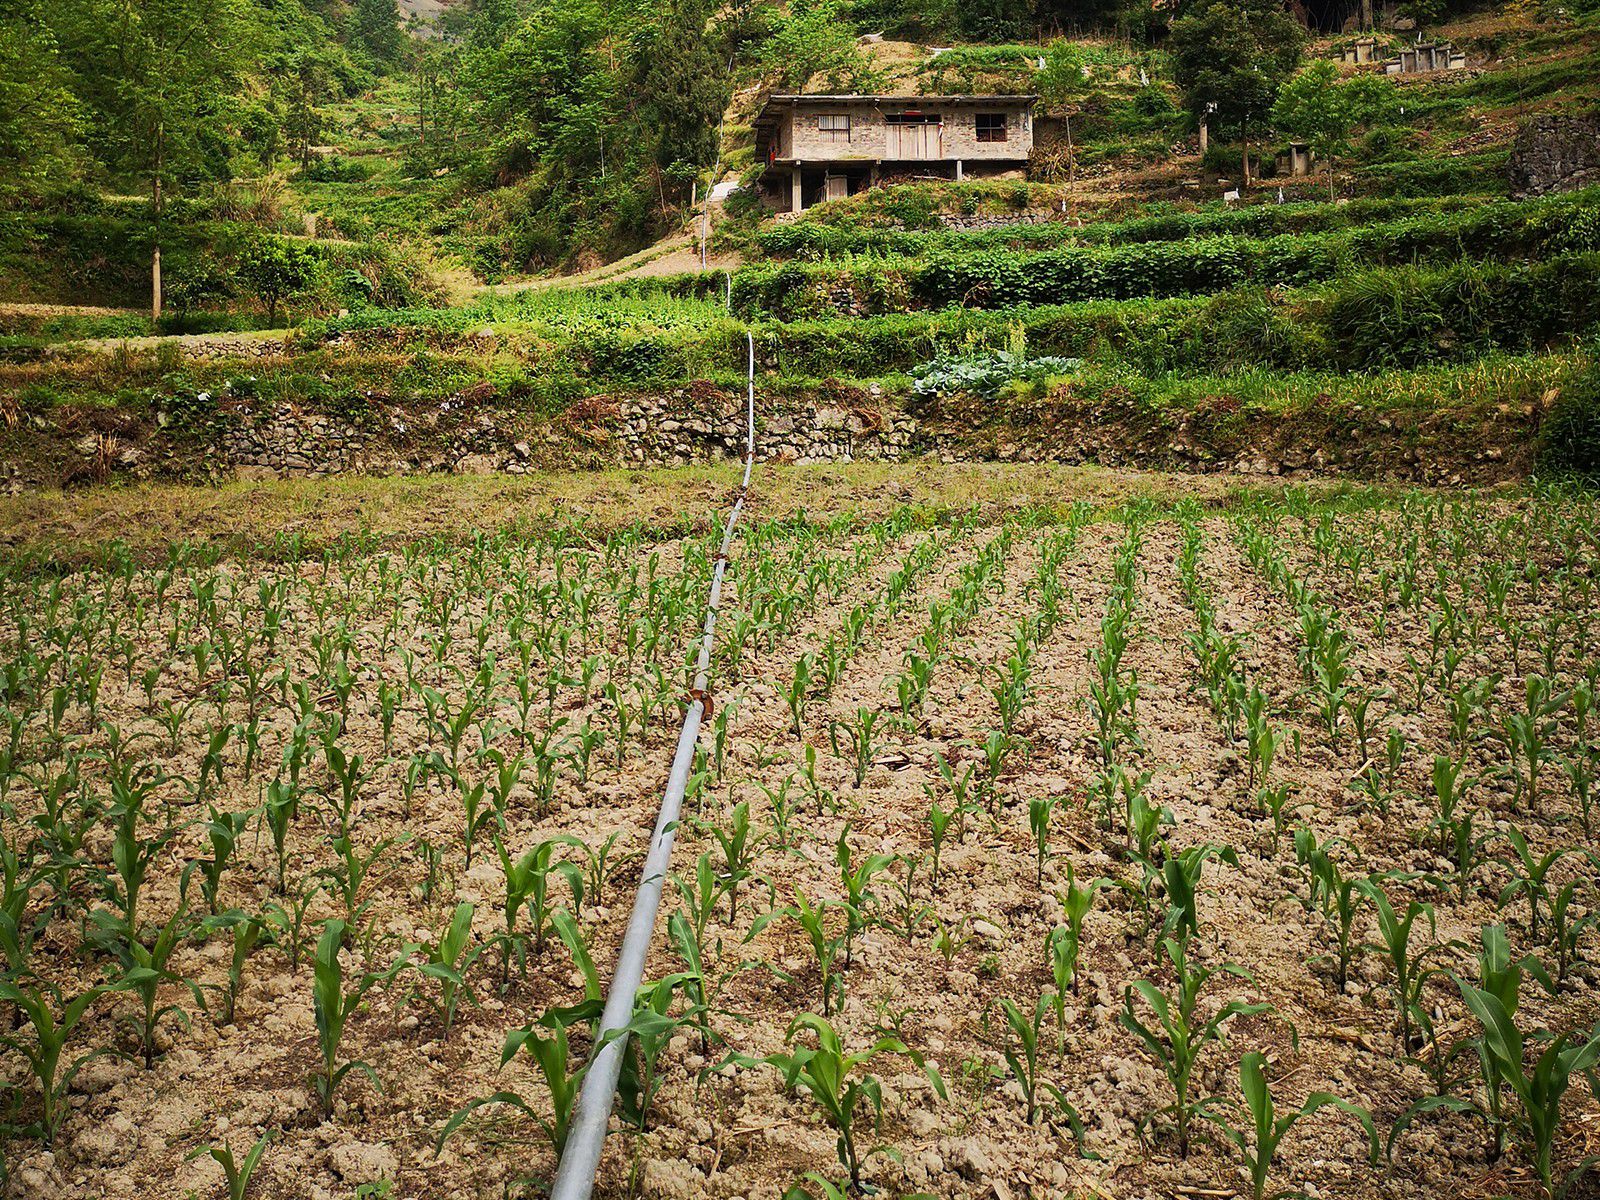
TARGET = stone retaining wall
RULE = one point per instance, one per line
(642, 431)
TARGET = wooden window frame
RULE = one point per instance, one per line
(836, 132)
(991, 133)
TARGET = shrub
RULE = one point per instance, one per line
(1569, 436)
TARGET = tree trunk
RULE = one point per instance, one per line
(155, 253)
(155, 205)
(1072, 158)
(1332, 195)
(1366, 14)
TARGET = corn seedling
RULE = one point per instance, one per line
(44, 1025)
(445, 963)
(830, 1077)
(1020, 1047)
(545, 1041)
(1179, 1035)
(527, 883)
(236, 1174)
(1406, 968)
(1259, 1141)
(333, 1006)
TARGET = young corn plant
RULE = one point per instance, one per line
(333, 1005)
(1567, 930)
(1182, 873)
(652, 1026)
(1066, 941)
(222, 832)
(1528, 733)
(448, 958)
(1408, 973)
(527, 882)
(236, 1174)
(1530, 875)
(839, 1086)
(244, 934)
(278, 810)
(856, 878)
(1258, 1142)
(1340, 898)
(939, 822)
(145, 968)
(1540, 1091)
(1020, 1045)
(546, 1042)
(859, 738)
(1178, 1035)
(799, 690)
(1039, 810)
(826, 948)
(43, 1027)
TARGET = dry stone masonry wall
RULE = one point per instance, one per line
(639, 431)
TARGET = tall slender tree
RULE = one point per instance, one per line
(156, 78)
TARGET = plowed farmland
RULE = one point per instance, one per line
(1046, 851)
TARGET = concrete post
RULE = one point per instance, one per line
(796, 200)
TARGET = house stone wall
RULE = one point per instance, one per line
(799, 137)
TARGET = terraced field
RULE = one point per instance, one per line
(1050, 821)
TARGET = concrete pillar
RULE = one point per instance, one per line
(1205, 137)
(796, 199)
(959, 174)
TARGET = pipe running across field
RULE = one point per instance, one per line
(586, 1137)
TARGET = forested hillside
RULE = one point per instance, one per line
(334, 155)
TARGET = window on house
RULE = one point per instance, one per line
(991, 127)
(834, 125)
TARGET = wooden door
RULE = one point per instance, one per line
(920, 141)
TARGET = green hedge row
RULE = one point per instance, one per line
(1003, 278)
(1400, 317)
(1393, 316)
(808, 239)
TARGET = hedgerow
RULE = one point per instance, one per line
(1390, 316)
(998, 278)
(812, 239)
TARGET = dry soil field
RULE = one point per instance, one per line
(1053, 819)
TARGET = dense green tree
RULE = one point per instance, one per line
(39, 114)
(157, 79)
(814, 37)
(305, 82)
(1230, 57)
(994, 20)
(1323, 108)
(272, 270)
(375, 27)
(1060, 82)
(676, 94)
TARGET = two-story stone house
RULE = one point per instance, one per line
(823, 147)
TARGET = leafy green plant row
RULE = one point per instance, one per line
(1386, 317)
(998, 278)
(815, 239)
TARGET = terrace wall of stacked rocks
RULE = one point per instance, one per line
(479, 433)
